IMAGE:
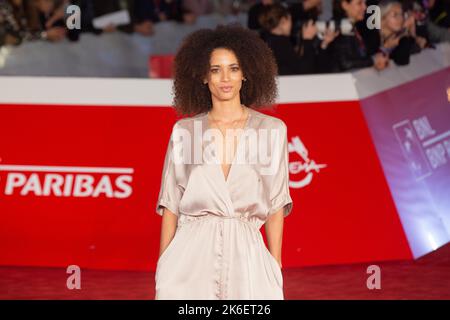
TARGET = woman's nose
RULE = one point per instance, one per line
(225, 76)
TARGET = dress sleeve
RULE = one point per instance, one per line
(279, 194)
(170, 193)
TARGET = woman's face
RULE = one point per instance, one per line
(393, 20)
(225, 75)
(286, 25)
(355, 9)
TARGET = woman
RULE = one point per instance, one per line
(350, 51)
(397, 37)
(304, 58)
(213, 208)
(255, 12)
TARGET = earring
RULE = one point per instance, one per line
(244, 79)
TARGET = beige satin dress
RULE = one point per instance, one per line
(218, 251)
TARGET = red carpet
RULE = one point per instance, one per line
(425, 278)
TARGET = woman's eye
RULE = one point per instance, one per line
(235, 69)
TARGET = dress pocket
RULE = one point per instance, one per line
(168, 249)
(275, 267)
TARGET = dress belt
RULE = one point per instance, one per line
(211, 216)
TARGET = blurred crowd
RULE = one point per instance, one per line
(45, 19)
(301, 42)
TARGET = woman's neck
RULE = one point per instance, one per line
(227, 113)
(385, 33)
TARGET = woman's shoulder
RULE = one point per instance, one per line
(188, 122)
(266, 120)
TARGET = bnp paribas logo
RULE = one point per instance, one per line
(65, 181)
(305, 168)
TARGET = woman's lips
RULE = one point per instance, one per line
(226, 88)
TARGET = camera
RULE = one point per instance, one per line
(344, 26)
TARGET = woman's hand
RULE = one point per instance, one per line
(162, 16)
(189, 18)
(328, 37)
(421, 42)
(168, 228)
(381, 61)
(11, 40)
(57, 15)
(410, 25)
(56, 34)
(279, 262)
(145, 28)
(274, 234)
(109, 28)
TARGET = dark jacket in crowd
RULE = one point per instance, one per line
(288, 60)
(350, 52)
(440, 13)
(253, 15)
(149, 9)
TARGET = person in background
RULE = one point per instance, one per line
(145, 17)
(143, 14)
(255, 12)
(397, 38)
(349, 51)
(303, 11)
(303, 59)
(198, 7)
(148, 12)
(172, 10)
(416, 16)
(438, 24)
(47, 17)
(14, 24)
(440, 13)
(308, 11)
(232, 7)
(32, 20)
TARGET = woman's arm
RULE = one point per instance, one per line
(274, 234)
(168, 228)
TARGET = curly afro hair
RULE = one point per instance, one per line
(191, 66)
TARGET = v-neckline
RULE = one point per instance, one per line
(219, 165)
